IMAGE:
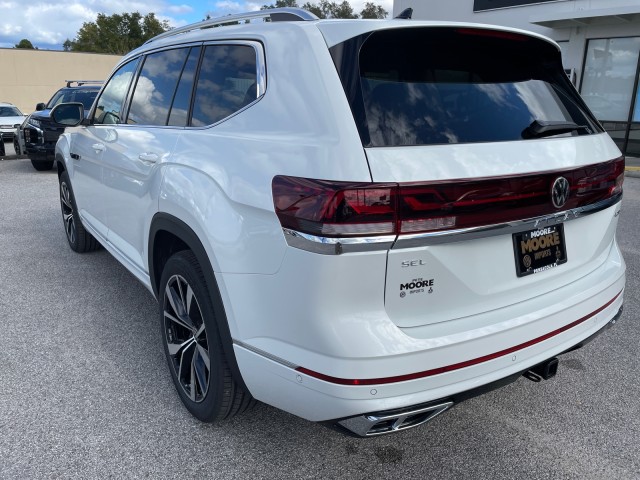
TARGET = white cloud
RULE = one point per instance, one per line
(179, 9)
(48, 24)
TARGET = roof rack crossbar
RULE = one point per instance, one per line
(287, 14)
(82, 82)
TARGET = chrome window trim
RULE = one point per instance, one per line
(337, 246)
(261, 80)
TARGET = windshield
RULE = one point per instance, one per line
(82, 95)
(425, 86)
(10, 112)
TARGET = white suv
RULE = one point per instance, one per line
(359, 222)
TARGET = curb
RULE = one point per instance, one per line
(632, 172)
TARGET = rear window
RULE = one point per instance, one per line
(426, 86)
(10, 112)
(83, 95)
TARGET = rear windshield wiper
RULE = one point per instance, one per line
(543, 128)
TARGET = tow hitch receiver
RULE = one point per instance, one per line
(543, 371)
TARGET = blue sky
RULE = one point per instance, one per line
(48, 23)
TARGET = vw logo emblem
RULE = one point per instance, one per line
(560, 192)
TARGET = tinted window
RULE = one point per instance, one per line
(109, 104)
(155, 87)
(226, 83)
(180, 108)
(420, 86)
(9, 112)
(86, 96)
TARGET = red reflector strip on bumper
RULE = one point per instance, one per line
(455, 366)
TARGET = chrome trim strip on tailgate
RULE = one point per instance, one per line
(450, 236)
(337, 246)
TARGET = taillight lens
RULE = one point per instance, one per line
(343, 209)
(335, 209)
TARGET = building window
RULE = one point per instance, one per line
(480, 5)
(609, 75)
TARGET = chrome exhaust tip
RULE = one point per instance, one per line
(372, 424)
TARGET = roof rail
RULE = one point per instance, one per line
(272, 15)
(82, 82)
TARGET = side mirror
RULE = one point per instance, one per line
(40, 106)
(68, 114)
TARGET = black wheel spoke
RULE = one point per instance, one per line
(177, 320)
(201, 373)
(204, 355)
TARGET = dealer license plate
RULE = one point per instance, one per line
(539, 250)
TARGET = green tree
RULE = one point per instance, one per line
(371, 10)
(327, 9)
(116, 34)
(281, 4)
(24, 43)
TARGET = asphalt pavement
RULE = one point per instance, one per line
(85, 391)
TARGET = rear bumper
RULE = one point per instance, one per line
(361, 424)
(278, 383)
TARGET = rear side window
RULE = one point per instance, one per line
(156, 86)
(180, 107)
(426, 86)
(226, 83)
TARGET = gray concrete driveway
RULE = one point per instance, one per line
(85, 391)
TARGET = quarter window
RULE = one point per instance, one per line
(226, 83)
(109, 104)
(156, 86)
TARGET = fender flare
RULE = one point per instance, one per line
(175, 226)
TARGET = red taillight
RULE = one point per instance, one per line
(343, 209)
(335, 209)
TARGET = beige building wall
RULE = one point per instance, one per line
(31, 76)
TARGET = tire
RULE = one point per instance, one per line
(16, 146)
(42, 165)
(191, 341)
(79, 239)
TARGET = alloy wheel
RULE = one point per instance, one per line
(68, 216)
(185, 335)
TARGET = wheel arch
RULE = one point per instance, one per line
(168, 235)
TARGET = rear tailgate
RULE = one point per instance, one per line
(507, 187)
(443, 275)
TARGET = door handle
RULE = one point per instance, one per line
(148, 157)
(99, 147)
(75, 156)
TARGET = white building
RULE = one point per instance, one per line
(600, 42)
